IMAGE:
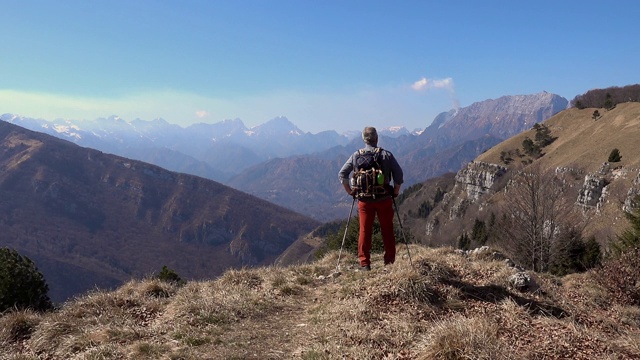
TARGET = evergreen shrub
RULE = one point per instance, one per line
(615, 156)
(22, 286)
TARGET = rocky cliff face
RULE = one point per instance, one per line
(472, 182)
(631, 201)
(595, 188)
(478, 177)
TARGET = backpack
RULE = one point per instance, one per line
(368, 179)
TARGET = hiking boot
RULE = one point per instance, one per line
(365, 268)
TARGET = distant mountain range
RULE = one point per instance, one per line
(284, 165)
(194, 150)
(217, 151)
(309, 185)
(90, 219)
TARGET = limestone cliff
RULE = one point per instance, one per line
(478, 177)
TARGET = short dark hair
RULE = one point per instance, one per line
(370, 135)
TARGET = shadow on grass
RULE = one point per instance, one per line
(496, 294)
(438, 273)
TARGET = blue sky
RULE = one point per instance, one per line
(325, 65)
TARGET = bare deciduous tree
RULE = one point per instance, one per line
(607, 98)
(536, 211)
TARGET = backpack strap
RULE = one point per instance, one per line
(376, 153)
(375, 150)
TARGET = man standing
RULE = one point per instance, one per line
(380, 202)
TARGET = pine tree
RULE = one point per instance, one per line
(630, 238)
(592, 255)
(531, 149)
(21, 284)
(615, 156)
(479, 232)
(608, 102)
(425, 209)
(568, 253)
(543, 135)
(464, 242)
(170, 276)
(439, 195)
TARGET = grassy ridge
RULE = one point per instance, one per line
(448, 306)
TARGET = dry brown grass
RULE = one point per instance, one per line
(582, 141)
(583, 145)
(445, 307)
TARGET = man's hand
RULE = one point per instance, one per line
(349, 190)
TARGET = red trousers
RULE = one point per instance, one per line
(367, 212)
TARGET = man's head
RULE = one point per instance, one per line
(370, 136)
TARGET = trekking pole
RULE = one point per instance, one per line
(345, 233)
(402, 230)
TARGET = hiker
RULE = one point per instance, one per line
(374, 170)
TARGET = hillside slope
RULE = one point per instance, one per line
(450, 305)
(599, 190)
(92, 219)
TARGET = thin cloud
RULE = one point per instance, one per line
(424, 84)
(420, 84)
(446, 84)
